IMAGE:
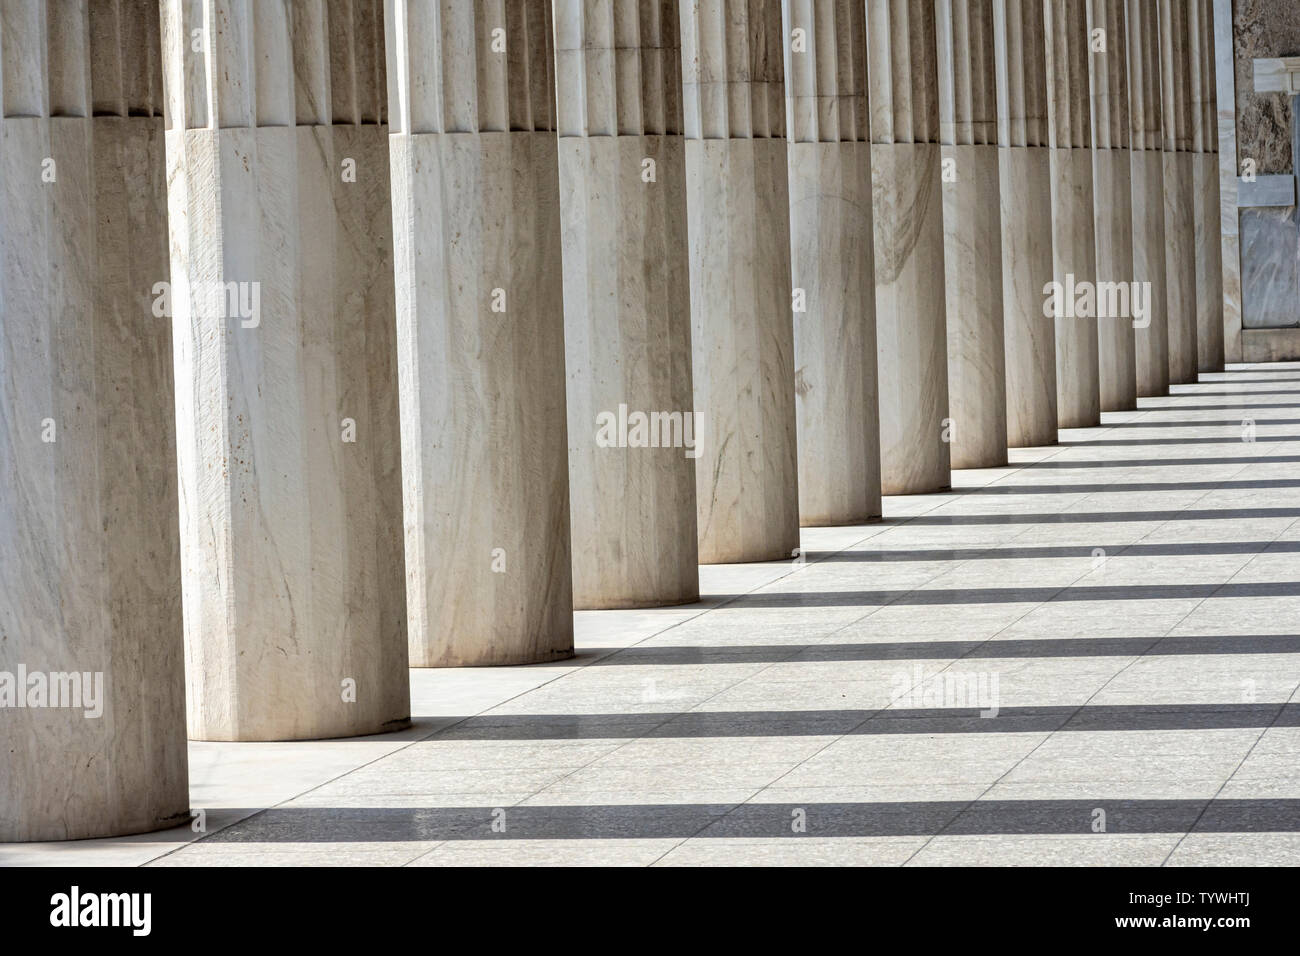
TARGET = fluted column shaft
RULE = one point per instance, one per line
(286, 369)
(1146, 140)
(1180, 189)
(1205, 179)
(92, 713)
(626, 303)
(1074, 249)
(742, 336)
(968, 130)
(836, 399)
(480, 329)
(1025, 196)
(1118, 306)
(907, 206)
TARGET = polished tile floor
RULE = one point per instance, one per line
(1089, 657)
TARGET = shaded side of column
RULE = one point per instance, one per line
(1205, 187)
(1074, 237)
(1180, 189)
(836, 398)
(286, 369)
(1225, 96)
(1120, 302)
(742, 335)
(480, 320)
(1025, 190)
(972, 219)
(907, 210)
(1146, 125)
(626, 303)
(93, 727)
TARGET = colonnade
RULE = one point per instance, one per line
(339, 336)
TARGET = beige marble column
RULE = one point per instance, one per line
(907, 206)
(972, 232)
(1118, 307)
(1180, 189)
(626, 303)
(1225, 106)
(836, 399)
(1146, 141)
(1025, 204)
(742, 335)
(480, 328)
(1205, 188)
(1074, 249)
(286, 398)
(92, 712)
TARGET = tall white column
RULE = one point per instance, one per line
(626, 303)
(1180, 190)
(1025, 191)
(480, 329)
(286, 398)
(968, 132)
(907, 206)
(1205, 179)
(92, 712)
(1146, 124)
(742, 336)
(836, 398)
(1113, 207)
(1074, 249)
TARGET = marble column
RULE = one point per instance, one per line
(1074, 248)
(1146, 142)
(742, 334)
(1117, 307)
(972, 230)
(836, 399)
(286, 398)
(626, 303)
(907, 206)
(92, 694)
(480, 327)
(1180, 194)
(1225, 106)
(1025, 191)
(1205, 188)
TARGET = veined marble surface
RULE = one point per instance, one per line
(90, 564)
(911, 320)
(1180, 265)
(972, 235)
(1116, 344)
(742, 340)
(1152, 342)
(836, 390)
(1074, 253)
(480, 322)
(628, 342)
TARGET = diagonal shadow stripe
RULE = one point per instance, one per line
(818, 723)
(1065, 551)
(1100, 517)
(1158, 462)
(757, 820)
(1043, 648)
(1125, 486)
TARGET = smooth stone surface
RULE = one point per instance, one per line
(484, 447)
(1209, 264)
(1180, 265)
(836, 398)
(911, 320)
(90, 564)
(742, 342)
(627, 343)
(972, 237)
(1074, 253)
(1030, 336)
(1152, 342)
(1116, 344)
(290, 532)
